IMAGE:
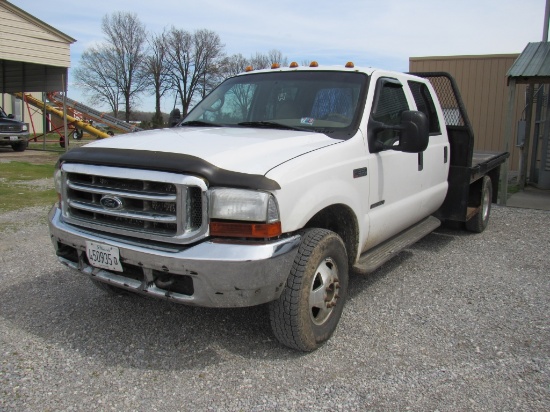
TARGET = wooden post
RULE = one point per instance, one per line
(507, 139)
(66, 129)
(522, 178)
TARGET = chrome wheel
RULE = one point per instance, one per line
(324, 296)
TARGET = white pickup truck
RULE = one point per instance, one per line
(272, 189)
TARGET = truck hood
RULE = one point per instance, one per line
(245, 150)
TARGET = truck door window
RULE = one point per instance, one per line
(425, 104)
(389, 105)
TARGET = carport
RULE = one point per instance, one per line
(532, 67)
(34, 56)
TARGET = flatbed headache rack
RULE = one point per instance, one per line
(467, 168)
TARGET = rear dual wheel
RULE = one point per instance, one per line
(308, 311)
(479, 222)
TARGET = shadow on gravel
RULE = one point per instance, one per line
(67, 310)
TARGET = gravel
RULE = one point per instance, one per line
(456, 322)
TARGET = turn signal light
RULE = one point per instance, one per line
(252, 230)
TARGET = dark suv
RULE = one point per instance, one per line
(12, 132)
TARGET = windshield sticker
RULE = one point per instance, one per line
(307, 120)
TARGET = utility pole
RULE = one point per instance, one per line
(546, 21)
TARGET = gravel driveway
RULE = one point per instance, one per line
(456, 322)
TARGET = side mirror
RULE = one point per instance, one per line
(414, 128)
(11, 116)
(413, 133)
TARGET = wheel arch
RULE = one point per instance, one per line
(340, 219)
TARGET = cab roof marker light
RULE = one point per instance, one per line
(249, 69)
(293, 65)
(275, 65)
(350, 65)
(314, 64)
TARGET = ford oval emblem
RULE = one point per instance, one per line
(111, 202)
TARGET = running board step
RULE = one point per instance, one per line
(377, 256)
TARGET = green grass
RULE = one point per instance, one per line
(17, 190)
(52, 142)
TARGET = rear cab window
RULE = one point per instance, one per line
(425, 104)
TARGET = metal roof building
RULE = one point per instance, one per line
(34, 56)
(532, 67)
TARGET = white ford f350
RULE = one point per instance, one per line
(272, 189)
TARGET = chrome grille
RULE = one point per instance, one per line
(138, 203)
(10, 128)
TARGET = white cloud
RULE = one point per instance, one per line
(377, 33)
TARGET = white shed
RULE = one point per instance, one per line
(34, 56)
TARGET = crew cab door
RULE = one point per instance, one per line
(401, 185)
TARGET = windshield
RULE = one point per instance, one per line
(325, 101)
(2, 113)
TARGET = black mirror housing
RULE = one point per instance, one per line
(413, 132)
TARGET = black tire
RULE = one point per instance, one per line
(308, 311)
(20, 146)
(479, 222)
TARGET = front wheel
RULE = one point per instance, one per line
(20, 146)
(478, 223)
(309, 308)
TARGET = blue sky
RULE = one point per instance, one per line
(382, 33)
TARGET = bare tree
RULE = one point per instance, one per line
(98, 80)
(275, 56)
(113, 72)
(127, 36)
(260, 61)
(156, 68)
(191, 58)
(237, 63)
(234, 65)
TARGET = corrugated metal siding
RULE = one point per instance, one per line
(21, 40)
(534, 62)
(482, 83)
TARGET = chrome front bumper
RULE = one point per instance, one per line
(224, 273)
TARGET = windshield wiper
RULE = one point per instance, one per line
(272, 125)
(198, 123)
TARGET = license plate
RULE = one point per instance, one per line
(103, 256)
(13, 138)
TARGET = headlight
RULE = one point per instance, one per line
(245, 205)
(57, 179)
(241, 213)
(24, 128)
(58, 183)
